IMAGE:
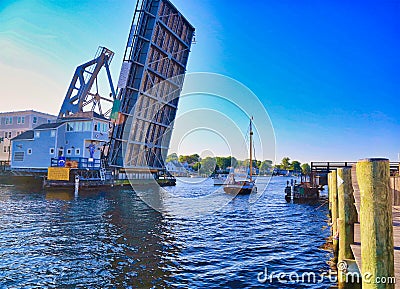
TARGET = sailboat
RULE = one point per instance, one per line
(247, 186)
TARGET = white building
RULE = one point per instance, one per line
(176, 169)
(15, 123)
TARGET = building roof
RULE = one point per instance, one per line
(49, 125)
(26, 112)
(25, 135)
(86, 115)
(176, 164)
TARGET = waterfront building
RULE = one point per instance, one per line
(76, 141)
(14, 123)
(177, 169)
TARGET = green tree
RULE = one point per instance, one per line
(196, 166)
(266, 166)
(172, 157)
(285, 163)
(305, 168)
(223, 162)
(296, 166)
(191, 159)
(207, 166)
(234, 162)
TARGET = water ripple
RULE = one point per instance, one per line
(111, 239)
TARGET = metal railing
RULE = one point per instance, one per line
(324, 167)
(77, 163)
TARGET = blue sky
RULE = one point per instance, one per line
(328, 72)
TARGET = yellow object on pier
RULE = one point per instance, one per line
(58, 174)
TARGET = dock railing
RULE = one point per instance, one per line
(77, 163)
(326, 167)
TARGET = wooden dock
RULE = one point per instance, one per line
(356, 247)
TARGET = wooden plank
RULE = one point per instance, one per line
(356, 247)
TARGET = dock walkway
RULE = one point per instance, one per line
(356, 247)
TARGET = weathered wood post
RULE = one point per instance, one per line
(395, 184)
(347, 218)
(334, 212)
(347, 213)
(376, 223)
(330, 193)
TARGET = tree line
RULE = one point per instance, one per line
(211, 164)
(293, 166)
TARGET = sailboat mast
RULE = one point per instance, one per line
(251, 151)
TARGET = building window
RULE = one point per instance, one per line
(96, 126)
(23, 119)
(9, 120)
(78, 126)
(52, 151)
(69, 151)
(9, 134)
(37, 134)
(70, 127)
(19, 120)
(105, 127)
(5, 149)
(77, 152)
(19, 156)
(34, 120)
(29, 151)
(87, 126)
(53, 133)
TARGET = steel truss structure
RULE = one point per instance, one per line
(150, 82)
(80, 97)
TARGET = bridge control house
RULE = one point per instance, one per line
(75, 141)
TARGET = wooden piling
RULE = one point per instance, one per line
(347, 216)
(395, 185)
(330, 193)
(376, 223)
(346, 212)
(334, 200)
(334, 213)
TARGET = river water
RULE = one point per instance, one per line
(111, 239)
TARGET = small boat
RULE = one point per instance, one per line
(220, 179)
(303, 192)
(242, 187)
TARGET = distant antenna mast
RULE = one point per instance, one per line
(194, 38)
